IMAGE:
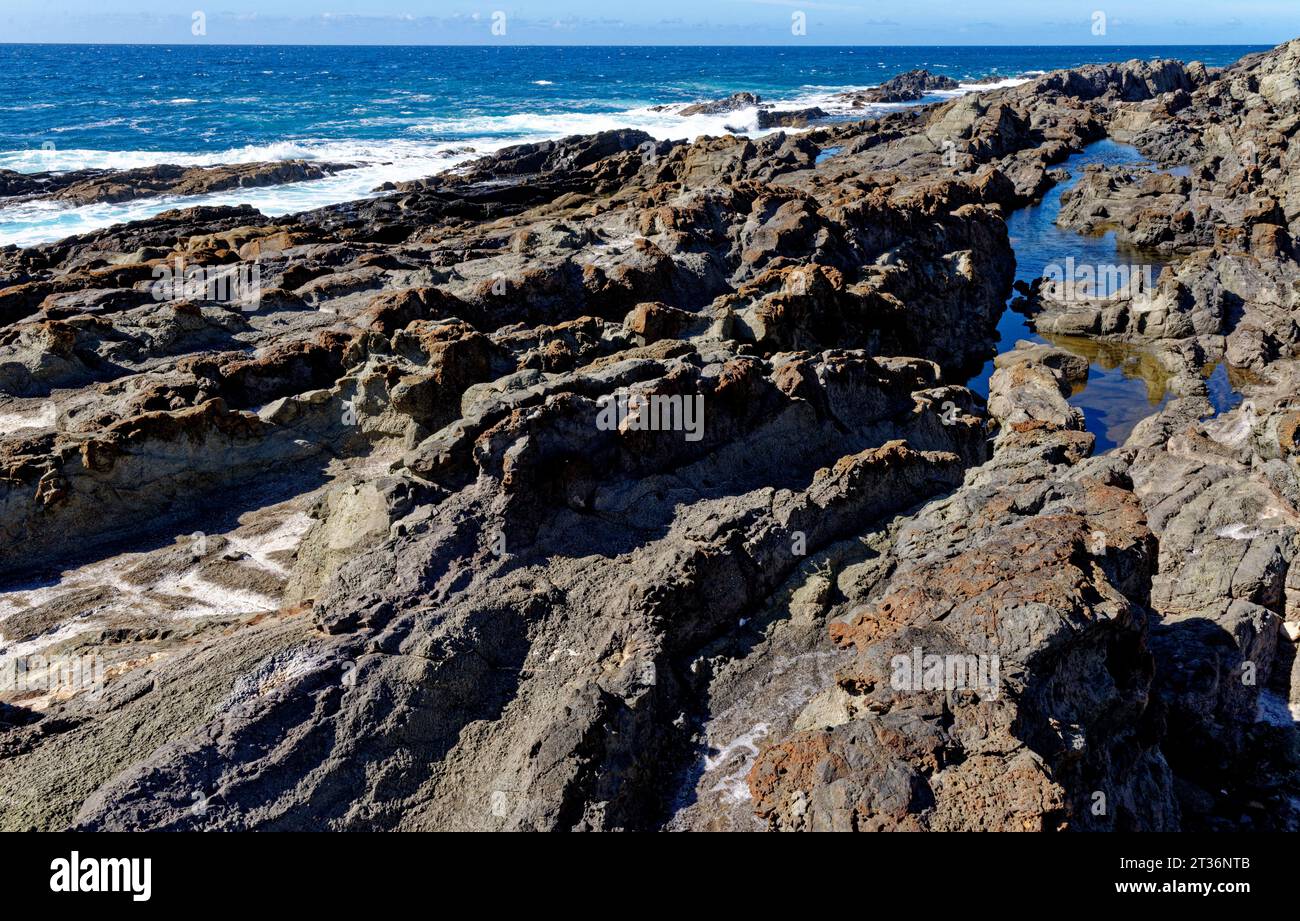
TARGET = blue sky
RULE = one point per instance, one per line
(828, 22)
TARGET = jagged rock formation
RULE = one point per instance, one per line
(906, 87)
(365, 547)
(1042, 559)
(719, 106)
(767, 116)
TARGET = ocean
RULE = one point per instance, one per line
(406, 112)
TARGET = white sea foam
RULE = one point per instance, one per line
(734, 786)
(996, 85)
(379, 161)
(831, 99)
(30, 223)
(359, 151)
(521, 127)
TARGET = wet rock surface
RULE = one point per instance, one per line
(608, 483)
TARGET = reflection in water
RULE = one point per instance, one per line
(826, 154)
(1125, 382)
(1133, 363)
(1225, 384)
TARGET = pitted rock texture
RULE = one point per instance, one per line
(359, 550)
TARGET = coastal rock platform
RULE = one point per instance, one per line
(364, 545)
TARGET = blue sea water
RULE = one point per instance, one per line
(405, 112)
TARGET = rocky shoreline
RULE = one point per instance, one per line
(97, 186)
(354, 550)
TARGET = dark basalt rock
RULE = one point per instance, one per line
(86, 187)
(906, 87)
(789, 118)
(364, 553)
(722, 106)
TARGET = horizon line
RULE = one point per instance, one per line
(1183, 44)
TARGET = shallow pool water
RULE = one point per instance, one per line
(826, 154)
(1125, 382)
(1224, 385)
